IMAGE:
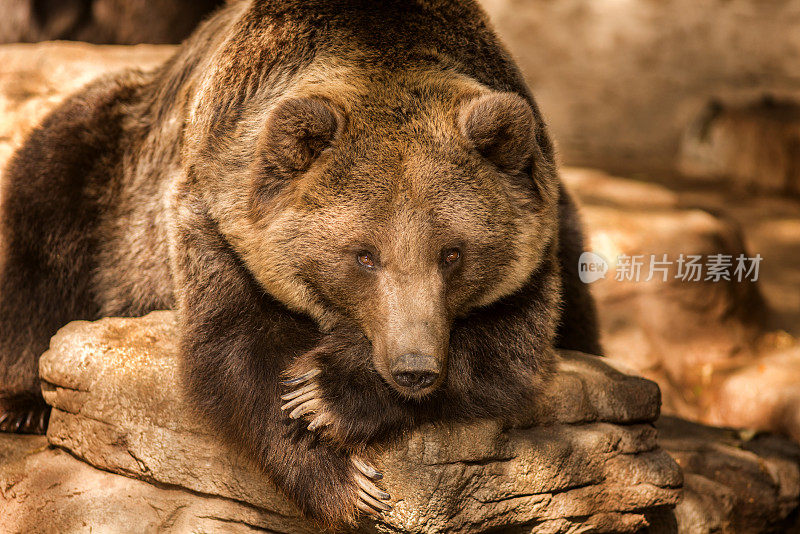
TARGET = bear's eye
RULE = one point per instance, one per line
(365, 259)
(451, 256)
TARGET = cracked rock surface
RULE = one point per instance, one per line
(735, 481)
(124, 453)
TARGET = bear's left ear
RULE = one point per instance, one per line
(501, 127)
(298, 130)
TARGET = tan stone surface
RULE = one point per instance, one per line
(47, 491)
(125, 454)
(585, 453)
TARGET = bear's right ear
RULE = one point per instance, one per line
(298, 130)
(501, 127)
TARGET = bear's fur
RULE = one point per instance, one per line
(321, 188)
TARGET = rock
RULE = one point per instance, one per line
(124, 453)
(733, 482)
(714, 348)
(751, 147)
(760, 394)
(585, 456)
(671, 330)
(771, 227)
(102, 21)
(620, 81)
(45, 490)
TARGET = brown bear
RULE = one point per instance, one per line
(354, 207)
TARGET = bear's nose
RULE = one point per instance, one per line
(415, 371)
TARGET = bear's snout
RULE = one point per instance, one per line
(415, 372)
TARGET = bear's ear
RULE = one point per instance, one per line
(298, 130)
(501, 127)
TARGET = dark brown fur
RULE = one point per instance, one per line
(229, 182)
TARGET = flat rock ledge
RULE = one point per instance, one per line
(124, 453)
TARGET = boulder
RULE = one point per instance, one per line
(734, 482)
(45, 490)
(771, 227)
(584, 456)
(672, 330)
(125, 453)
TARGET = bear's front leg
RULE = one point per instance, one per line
(307, 400)
(332, 486)
(239, 394)
(235, 342)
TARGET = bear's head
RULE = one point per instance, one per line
(396, 205)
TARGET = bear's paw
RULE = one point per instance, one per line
(305, 403)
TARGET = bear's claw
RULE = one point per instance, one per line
(301, 399)
(370, 497)
(301, 379)
(366, 469)
(305, 400)
(25, 420)
(298, 392)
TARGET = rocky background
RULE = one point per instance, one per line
(621, 80)
(695, 103)
(678, 130)
(102, 21)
